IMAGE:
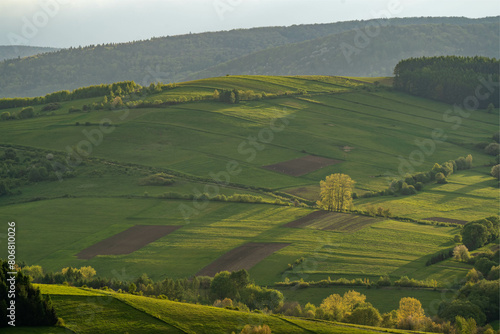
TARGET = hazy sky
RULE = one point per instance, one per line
(64, 23)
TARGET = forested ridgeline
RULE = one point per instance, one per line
(21, 51)
(451, 79)
(178, 58)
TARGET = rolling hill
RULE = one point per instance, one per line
(21, 51)
(173, 182)
(93, 311)
(176, 58)
(365, 52)
(197, 145)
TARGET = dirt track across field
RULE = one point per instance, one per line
(127, 241)
(447, 220)
(243, 257)
(301, 166)
(332, 221)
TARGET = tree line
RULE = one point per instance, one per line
(449, 79)
(117, 88)
(31, 308)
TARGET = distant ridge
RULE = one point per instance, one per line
(21, 51)
(255, 51)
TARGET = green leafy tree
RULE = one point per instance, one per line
(474, 235)
(222, 286)
(473, 276)
(492, 149)
(461, 253)
(336, 193)
(365, 315)
(484, 265)
(465, 326)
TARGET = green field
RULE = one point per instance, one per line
(384, 247)
(197, 141)
(468, 195)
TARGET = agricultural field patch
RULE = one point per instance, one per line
(302, 166)
(310, 193)
(243, 257)
(128, 241)
(332, 221)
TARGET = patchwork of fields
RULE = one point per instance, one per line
(105, 218)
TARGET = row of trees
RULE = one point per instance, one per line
(118, 89)
(449, 79)
(412, 183)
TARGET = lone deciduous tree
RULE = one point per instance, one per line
(336, 192)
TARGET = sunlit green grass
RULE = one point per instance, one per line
(468, 195)
(109, 312)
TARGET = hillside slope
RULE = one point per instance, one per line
(94, 311)
(171, 59)
(21, 51)
(351, 55)
(364, 131)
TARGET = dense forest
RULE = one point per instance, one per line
(21, 51)
(177, 58)
(355, 53)
(450, 79)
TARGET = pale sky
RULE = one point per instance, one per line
(65, 23)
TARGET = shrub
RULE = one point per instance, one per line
(419, 186)
(496, 137)
(495, 171)
(384, 281)
(492, 149)
(5, 116)
(28, 112)
(261, 329)
(159, 179)
(408, 189)
(51, 107)
(440, 178)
